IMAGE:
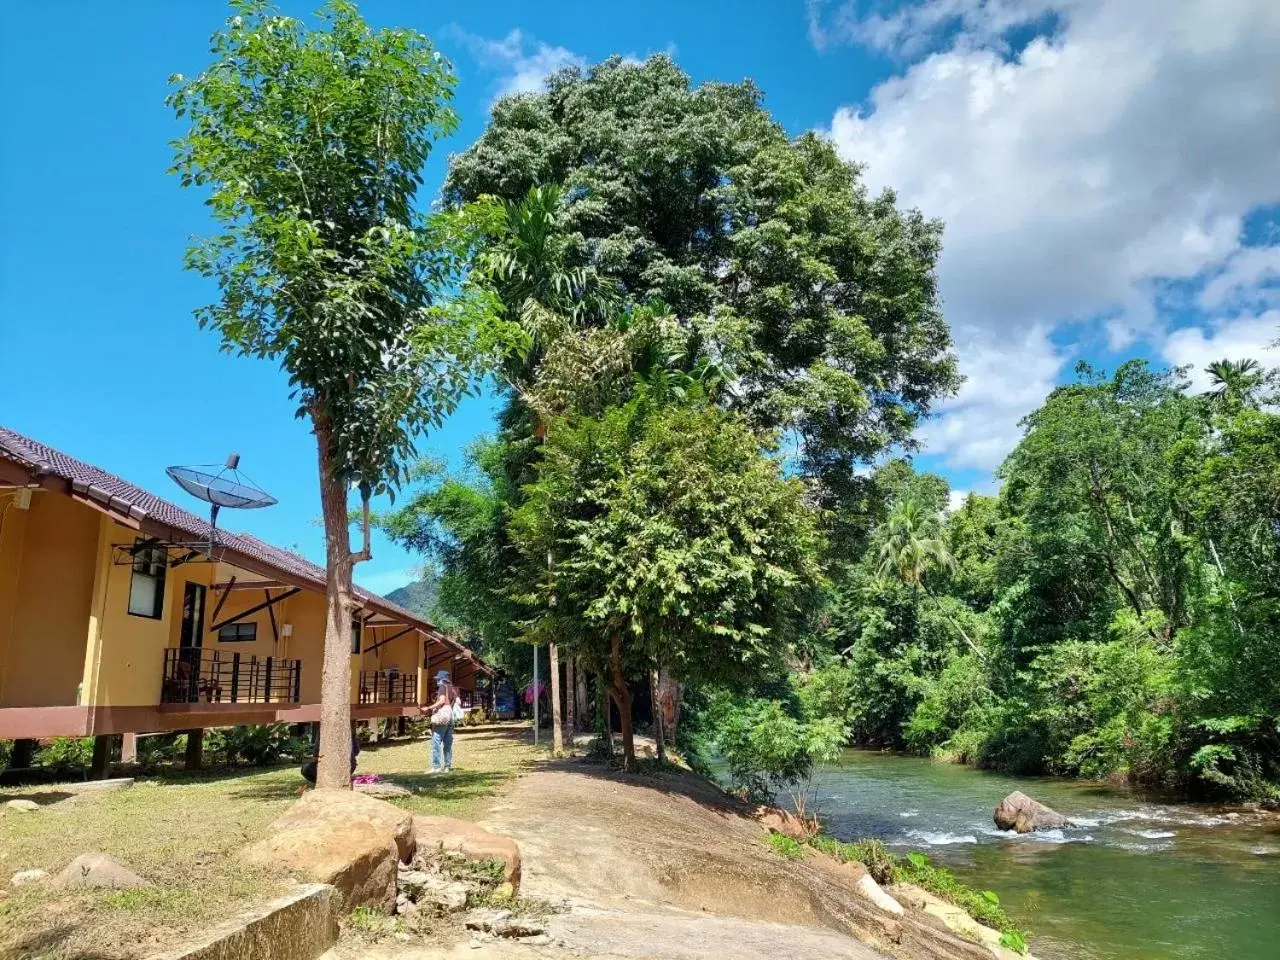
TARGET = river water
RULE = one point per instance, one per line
(1135, 880)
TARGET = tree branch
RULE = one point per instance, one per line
(366, 553)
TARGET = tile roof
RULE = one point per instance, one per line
(122, 497)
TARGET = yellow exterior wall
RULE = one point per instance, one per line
(48, 556)
(13, 525)
(67, 638)
(130, 661)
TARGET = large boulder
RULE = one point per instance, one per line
(341, 838)
(348, 806)
(1019, 812)
(97, 870)
(473, 842)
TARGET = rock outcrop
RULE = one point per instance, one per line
(865, 886)
(1019, 812)
(97, 870)
(777, 820)
(341, 838)
(448, 835)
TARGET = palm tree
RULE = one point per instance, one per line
(1235, 383)
(911, 543)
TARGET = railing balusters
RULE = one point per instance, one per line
(192, 675)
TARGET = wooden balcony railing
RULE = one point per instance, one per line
(388, 686)
(193, 675)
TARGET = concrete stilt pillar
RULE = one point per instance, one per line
(22, 755)
(195, 749)
(102, 750)
(128, 748)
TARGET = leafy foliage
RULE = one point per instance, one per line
(767, 749)
(821, 300)
(311, 144)
(65, 755)
(1121, 595)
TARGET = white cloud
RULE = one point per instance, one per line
(1006, 378)
(1252, 275)
(1244, 337)
(523, 64)
(1119, 150)
(956, 499)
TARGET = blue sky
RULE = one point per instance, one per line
(1109, 174)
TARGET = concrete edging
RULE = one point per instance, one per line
(299, 926)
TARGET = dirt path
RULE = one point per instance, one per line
(667, 867)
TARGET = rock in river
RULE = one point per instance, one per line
(1019, 812)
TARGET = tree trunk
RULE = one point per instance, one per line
(195, 749)
(570, 695)
(670, 695)
(622, 696)
(580, 674)
(334, 767)
(655, 700)
(955, 623)
(557, 729)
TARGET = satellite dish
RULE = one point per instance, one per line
(220, 487)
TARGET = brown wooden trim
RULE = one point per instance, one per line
(394, 636)
(267, 604)
(230, 585)
(275, 630)
(32, 723)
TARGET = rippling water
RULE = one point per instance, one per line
(1133, 880)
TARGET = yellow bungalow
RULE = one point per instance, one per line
(123, 613)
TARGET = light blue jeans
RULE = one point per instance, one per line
(442, 741)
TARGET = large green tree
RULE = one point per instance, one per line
(821, 300)
(675, 541)
(311, 143)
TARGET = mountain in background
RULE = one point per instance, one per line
(421, 596)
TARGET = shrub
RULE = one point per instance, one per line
(255, 745)
(983, 906)
(66, 755)
(786, 846)
(767, 749)
(915, 868)
(160, 749)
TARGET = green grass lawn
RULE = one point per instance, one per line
(183, 832)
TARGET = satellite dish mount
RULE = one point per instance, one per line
(220, 487)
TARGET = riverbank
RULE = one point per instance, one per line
(1134, 880)
(663, 864)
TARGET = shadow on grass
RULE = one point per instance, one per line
(458, 785)
(186, 778)
(42, 943)
(36, 795)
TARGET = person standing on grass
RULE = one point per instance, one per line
(444, 713)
